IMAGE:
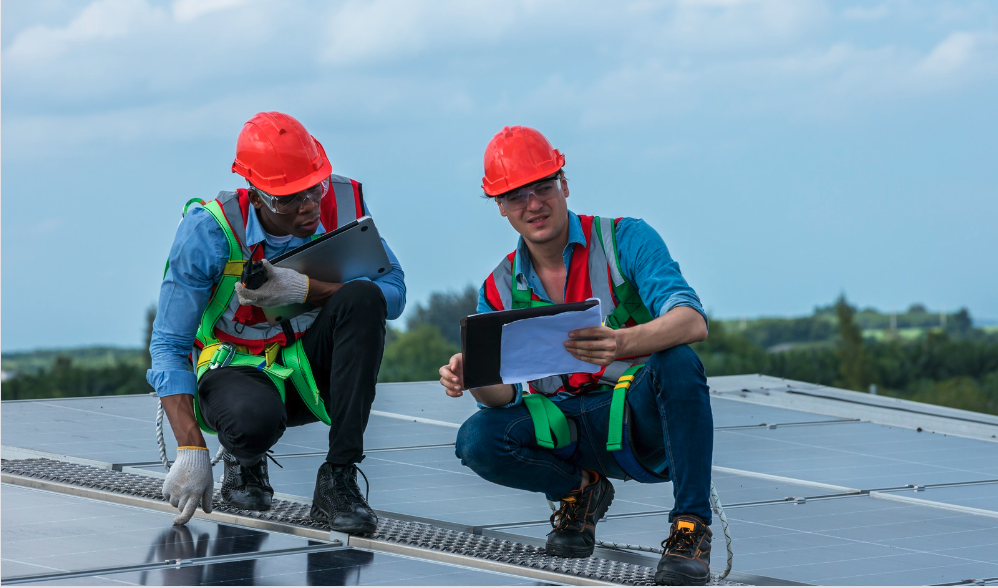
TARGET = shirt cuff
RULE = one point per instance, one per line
(171, 382)
(517, 398)
(681, 300)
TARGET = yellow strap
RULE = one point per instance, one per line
(208, 352)
(270, 352)
(233, 268)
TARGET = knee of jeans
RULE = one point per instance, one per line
(475, 446)
(677, 363)
(362, 296)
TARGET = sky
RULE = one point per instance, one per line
(787, 151)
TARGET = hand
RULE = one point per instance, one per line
(452, 376)
(596, 345)
(189, 483)
(284, 286)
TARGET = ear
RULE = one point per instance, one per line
(255, 200)
(502, 210)
(564, 186)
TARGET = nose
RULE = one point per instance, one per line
(533, 202)
(307, 206)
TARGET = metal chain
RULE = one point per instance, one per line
(162, 442)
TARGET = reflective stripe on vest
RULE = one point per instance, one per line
(596, 275)
(344, 205)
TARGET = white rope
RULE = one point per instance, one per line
(715, 505)
(162, 442)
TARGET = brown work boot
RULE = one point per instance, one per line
(686, 561)
(574, 533)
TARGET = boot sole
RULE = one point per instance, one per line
(358, 529)
(246, 505)
(674, 579)
(568, 550)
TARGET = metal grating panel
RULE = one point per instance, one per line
(390, 530)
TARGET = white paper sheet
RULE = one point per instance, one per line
(535, 347)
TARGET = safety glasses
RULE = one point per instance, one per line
(542, 190)
(293, 203)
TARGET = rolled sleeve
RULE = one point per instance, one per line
(646, 262)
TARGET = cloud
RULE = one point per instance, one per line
(100, 21)
(953, 53)
(188, 10)
(864, 13)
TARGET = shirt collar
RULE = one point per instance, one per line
(575, 236)
(256, 234)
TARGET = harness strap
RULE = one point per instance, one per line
(293, 356)
(615, 433)
(226, 287)
(547, 417)
(629, 304)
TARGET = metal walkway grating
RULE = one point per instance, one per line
(421, 535)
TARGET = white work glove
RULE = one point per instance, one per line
(189, 483)
(283, 287)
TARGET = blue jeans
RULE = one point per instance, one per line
(672, 426)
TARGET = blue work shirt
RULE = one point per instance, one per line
(197, 259)
(644, 260)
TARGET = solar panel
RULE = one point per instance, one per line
(775, 469)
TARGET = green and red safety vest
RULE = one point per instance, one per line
(231, 334)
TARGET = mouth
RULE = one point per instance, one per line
(310, 225)
(537, 220)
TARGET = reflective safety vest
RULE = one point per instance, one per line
(231, 334)
(594, 272)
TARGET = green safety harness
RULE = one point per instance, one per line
(552, 429)
(279, 363)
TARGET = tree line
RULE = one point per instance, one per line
(953, 365)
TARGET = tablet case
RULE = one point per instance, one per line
(481, 339)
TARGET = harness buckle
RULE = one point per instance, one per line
(223, 356)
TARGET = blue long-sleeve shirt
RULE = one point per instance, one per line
(644, 260)
(197, 259)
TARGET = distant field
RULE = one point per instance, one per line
(904, 334)
(87, 357)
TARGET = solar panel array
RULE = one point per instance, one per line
(816, 496)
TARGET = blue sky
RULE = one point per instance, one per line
(787, 150)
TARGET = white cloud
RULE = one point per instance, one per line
(864, 13)
(952, 54)
(100, 21)
(188, 10)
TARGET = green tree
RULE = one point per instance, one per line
(150, 317)
(416, 355)
(444, 310)
(852, 369)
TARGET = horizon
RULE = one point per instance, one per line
(786, 150)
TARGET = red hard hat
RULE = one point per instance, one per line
(517, 156)
(276, 154)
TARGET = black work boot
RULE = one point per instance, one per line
(247, 488)
(338, 501)
(574, 533)
(686, 561)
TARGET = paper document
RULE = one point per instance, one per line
(535, 347)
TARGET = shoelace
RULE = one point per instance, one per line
(567, 514)
(682, 541)
(367, 485)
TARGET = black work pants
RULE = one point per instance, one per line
(344, 347)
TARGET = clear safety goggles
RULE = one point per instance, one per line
(542, 190)
(293, 203)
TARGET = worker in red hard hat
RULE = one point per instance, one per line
(644, 415)
(252, 379)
